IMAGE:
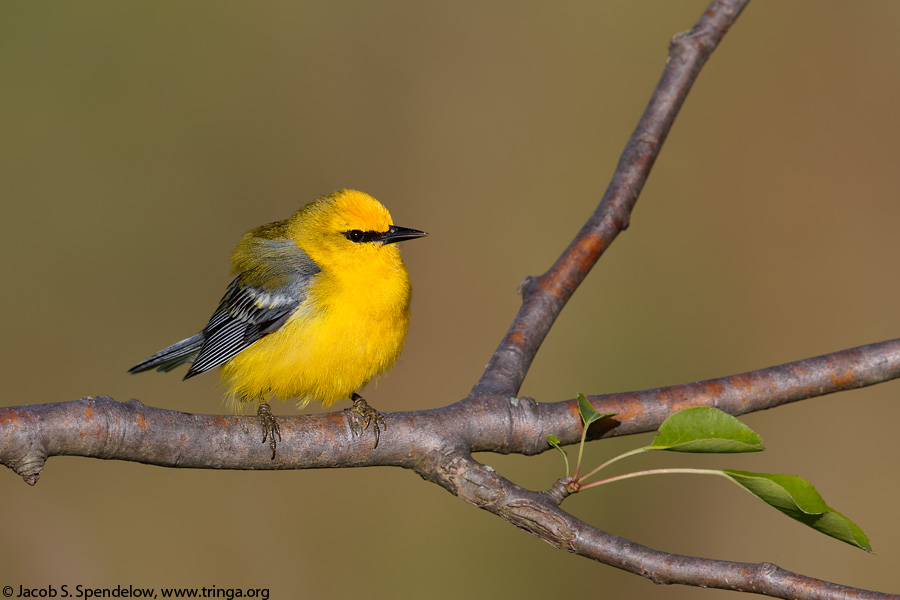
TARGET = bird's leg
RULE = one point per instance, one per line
(269, 425)
(372, 416)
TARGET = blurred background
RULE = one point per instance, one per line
(141, 139)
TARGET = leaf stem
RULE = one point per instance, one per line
(612, 460)
(580, 452)
(652, 472)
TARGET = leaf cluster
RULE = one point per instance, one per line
(703, 429)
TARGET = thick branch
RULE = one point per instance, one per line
(545, 296)
(103, 428)
(437, 445)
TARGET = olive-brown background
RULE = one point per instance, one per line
(140, 139)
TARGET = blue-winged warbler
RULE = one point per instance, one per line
(319, 306)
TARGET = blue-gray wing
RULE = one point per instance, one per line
(247, 313)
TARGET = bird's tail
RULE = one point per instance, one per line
(175, 355)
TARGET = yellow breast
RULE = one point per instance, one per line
(351, 328)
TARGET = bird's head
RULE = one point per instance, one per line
(347, 226)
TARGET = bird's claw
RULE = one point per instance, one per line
(372, 417)
(270, 426)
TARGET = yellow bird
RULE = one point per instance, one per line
(318, 307)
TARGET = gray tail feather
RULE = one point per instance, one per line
(175, 355)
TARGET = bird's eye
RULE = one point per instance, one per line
(358, 237)
(354, 235)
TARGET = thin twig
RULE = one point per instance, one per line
(753, 391)
(545, 296)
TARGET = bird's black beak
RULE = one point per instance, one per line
(400, 234)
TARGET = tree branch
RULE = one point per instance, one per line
(420, 440)
(538, 514)
(754, 390)
(437, 444)
(544, 297)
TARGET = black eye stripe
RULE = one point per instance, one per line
(361, 237)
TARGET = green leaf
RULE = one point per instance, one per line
(554, 441)
(588, 414)
(705, 429)
(798, 499)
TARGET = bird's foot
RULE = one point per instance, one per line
(372, 417)
(269, 425)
